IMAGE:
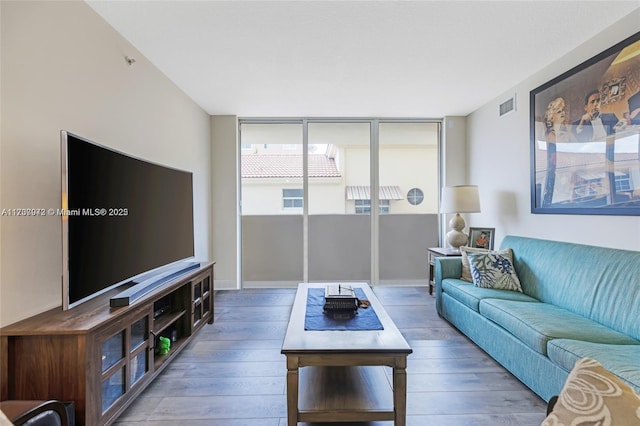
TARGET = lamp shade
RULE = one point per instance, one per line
(460, 199)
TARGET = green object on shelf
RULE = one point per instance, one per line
(165, 345)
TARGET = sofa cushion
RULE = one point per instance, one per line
(592, 395)
(621, 360)
(599, 283)
(537, 323)
(493, 270)
(470, 295)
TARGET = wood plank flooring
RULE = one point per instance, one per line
(232, 373)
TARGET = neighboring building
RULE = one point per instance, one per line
(338, 179)
(582, 171)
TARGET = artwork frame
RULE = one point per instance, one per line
(585, 136)
(476, 235)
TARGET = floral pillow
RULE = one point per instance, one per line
(594, 396)
(494, 270)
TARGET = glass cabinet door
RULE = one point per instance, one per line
(113, 369)
(206, 294)
(139, 363)
(125, 359)
(202, 298)
(139, 333)
(197, 301)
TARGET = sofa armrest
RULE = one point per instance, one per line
(445, 267)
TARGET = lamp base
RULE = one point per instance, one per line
(455, 237)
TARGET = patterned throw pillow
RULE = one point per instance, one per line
(493, 270)
(466, 269)
(593, 396)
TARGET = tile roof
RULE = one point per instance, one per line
(285, 166)
(580, 159)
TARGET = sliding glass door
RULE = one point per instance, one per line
(272, 201)
(339, 225)
(408, 188)
(337, 200)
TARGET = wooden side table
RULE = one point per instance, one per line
(432, 254)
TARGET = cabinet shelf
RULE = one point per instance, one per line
(346, 393)
(176, 346)
(162, 322)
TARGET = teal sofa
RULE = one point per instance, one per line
(577, 301)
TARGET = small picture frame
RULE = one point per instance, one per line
(481, 237)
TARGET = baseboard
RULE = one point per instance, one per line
(404, 283)
(294, 284)
(270, 284)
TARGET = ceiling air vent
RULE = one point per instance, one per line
(508, 106)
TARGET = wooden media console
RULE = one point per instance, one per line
(101, 357)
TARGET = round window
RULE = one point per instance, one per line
(415, 196)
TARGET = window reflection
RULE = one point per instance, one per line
(600, 173)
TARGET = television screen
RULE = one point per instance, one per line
(122, 217)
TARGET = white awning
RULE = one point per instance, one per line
(364, 193)
(596, 175)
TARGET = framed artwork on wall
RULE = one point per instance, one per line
(481, 237)
(585, 136)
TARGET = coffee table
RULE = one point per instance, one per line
(344, 377)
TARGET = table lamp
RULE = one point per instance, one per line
(459, 199)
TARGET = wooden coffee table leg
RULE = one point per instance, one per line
(400, 391)
(292, 390)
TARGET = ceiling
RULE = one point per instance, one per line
(354, 58)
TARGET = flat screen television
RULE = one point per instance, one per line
(123, 219)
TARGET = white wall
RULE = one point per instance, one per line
(63, 67)
(453, 165)
(498, 152)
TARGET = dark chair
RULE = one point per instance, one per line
(551, 404)
(39, 413)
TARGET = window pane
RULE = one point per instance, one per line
(291, 193)
(339, 219)
(271, 170)
(138, 366)
(139, 333)
(408, 176)
(415, 196)
(112, 389)
(112, 351)
(272, 201)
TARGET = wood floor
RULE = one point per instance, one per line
(233, 374)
